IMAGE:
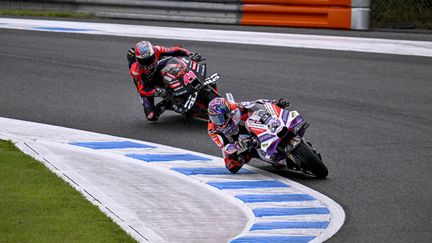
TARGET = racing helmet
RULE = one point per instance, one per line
(145, 54)
(219, 112)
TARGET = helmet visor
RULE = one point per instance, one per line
(218, 119)
(147, 61)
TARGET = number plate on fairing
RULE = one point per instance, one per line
(183, 76)
(261, 123)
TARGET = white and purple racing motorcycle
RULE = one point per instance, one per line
(278, 137)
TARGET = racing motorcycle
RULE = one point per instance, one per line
(188, 86)
(277, 136)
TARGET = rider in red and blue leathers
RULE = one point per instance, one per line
(227, 123)
(144, 65)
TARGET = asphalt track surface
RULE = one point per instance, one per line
(370, 114)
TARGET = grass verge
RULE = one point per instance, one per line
(43, 13)
(38, 206)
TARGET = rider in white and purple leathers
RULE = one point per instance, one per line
(227, 123)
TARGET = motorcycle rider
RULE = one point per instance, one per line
(145, 62)
(227, 123)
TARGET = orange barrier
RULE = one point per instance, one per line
(345, 3)
(296, 16)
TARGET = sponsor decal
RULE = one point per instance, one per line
(167, 78)
(269, 108)
(273, 124)
(231, 129)
(191, 100)
(276, 109)
(297, 120)
(257, 131)
(181, 93)
(285, 115)
(170, 75)
(266, 137)
(203, 71)
(211, 79)
(265, 118)
(189, 77)
(257, 125)
(184, 60)
(230, 148)
(174, 85)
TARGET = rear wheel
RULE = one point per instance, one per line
(310, 160)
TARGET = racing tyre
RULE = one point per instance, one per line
(310, 160)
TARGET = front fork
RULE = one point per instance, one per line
(293, 143)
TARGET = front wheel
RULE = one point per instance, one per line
(310, 160)
(205, 95)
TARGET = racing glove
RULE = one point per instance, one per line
(195, 57)
(160, 93)
(282, 103)
(131, 55)
(246, 142)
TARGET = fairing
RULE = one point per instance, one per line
(266, 123)
(186, 82)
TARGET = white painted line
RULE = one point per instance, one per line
(152, 201)
(370, 45)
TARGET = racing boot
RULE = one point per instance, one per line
(161, 107)
(150, 112)
(233, 165)
(152, 117)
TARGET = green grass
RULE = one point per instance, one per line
(38, 206)
(43, 13)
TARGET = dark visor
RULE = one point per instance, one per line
(146, 61)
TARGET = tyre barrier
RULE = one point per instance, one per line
(337, 14)
(334, 14)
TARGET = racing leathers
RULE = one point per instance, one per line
(148, 81)
(234, 139)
